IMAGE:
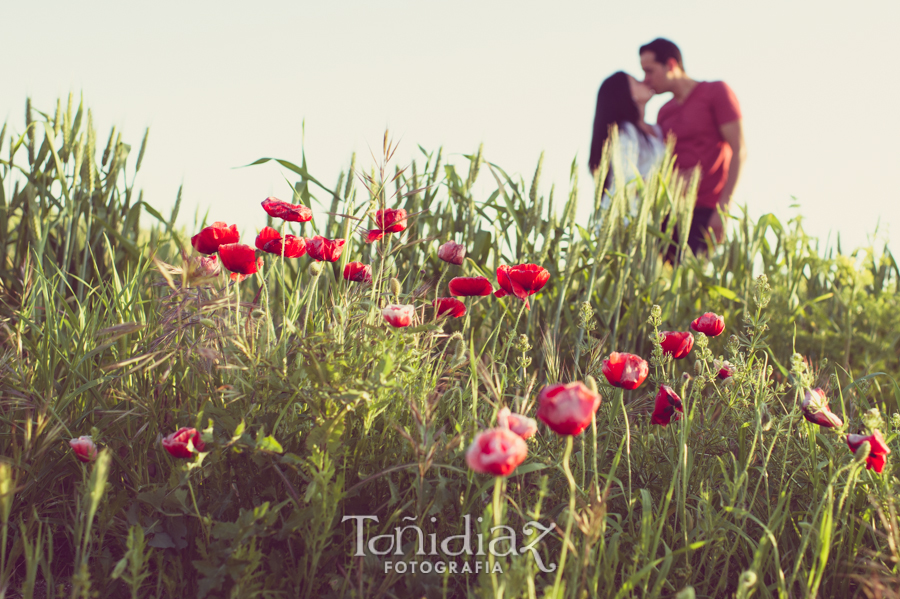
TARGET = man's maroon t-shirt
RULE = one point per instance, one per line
(695, 124)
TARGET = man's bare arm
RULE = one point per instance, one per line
(733, 135)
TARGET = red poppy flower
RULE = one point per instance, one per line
(265, 236)
(815, 409)
(667, 404)
(328, 250)
(879, 449)
(84, 448)
(208, 240)
(710, 324)
(521, 280)
(399, 315)
(470, 286)
(294, 247)
(496, 451)
(240, 259)
(452, 253)
(390, 220)
(374, 235)
(517, 423)
(179, 443)
(678, 344)
(358, 272)
(449, 305)
(567, 409)
(626, 371)
(295, 213)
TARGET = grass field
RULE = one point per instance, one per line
(313, 412)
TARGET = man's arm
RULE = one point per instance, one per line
(733, 135)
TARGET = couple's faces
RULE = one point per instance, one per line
(640, 92)
(654, 73)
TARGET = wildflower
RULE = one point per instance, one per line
(358, 272)
(387, 221)
(521, 280)
(295, 213)
(206, 266)
(265, 236)
(452, 252)
(724, 368)
(240, 259)
(678, 344)
(625, 370)
(816, 410)
(390, 220)
(875, 460)
(208, 240)
(667, 404)
(399, 315)
(84, 448)
(709, 324)
(294, 247)
(496, 451)
(179, 443)
(469, 286)
(517, 423)
(320, 248)
(449, 305)
(567, 408)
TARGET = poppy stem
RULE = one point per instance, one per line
(571, 516)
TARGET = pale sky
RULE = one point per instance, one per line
(223, 83)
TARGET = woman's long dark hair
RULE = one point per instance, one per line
(614, 105)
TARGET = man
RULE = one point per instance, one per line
(706, 120)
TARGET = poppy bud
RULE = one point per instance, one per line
(84, 448)
(396, 288)
(315, 269)
(698, 366)
(591, 383)
(452, 253)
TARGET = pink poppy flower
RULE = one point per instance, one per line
(567, 409)
(452, 253)
(496, 451)
(399, 315)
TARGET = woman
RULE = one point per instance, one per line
(621, 101)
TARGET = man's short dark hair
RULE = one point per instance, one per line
(663, 50)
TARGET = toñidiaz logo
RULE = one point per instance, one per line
(503, 541)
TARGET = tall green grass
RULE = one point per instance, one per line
(313, 409)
